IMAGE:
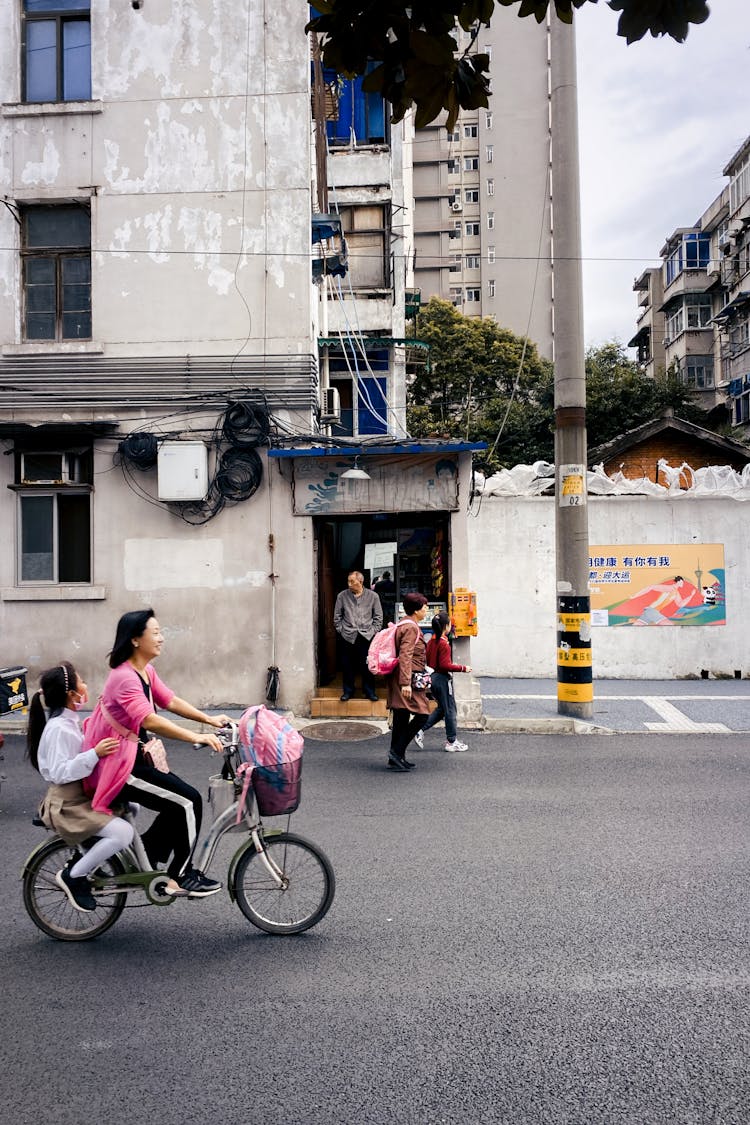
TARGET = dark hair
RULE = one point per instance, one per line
(413, 602)
(130, 625)
(440, 622)
(54, 685)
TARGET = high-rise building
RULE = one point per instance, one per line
(483, 236)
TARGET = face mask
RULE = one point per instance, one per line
(83, 698)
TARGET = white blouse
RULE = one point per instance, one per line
(60, 759)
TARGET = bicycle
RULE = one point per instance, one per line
(282, 883)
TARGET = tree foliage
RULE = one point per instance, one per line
(418, 62)
(482, 383)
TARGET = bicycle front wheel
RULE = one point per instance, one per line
(50, 908)
(306, 891)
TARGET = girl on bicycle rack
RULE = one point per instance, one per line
(127, 706)
(53, 746)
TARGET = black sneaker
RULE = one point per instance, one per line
(77, 890)
(198, 885)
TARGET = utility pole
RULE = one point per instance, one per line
(575, 689)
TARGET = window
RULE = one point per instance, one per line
(698, 371)
(489, 153)
(454, 136)
(365, 231)
(456, 295)
(471, 195)
(454, 265)
(472, 261)
(471, 131)
(739, 186)
(488, 119)
(354, 111)
(691, 252)
(54, 514)
(490, 187)
(488, 51)
(473, 295)
(453, 166)
(56, 261)
(471, 163)
(57, 50)
(491, 287)
(490, 220)
(471, 230)
(491, 254)
(457, 228)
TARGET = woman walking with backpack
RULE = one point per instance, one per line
(439, 658)
(406, 699)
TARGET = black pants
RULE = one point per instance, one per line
(179, 809)
(405, 726)
(354, 663)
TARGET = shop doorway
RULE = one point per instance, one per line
(413, 547)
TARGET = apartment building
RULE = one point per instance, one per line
(695, 308)
(202, 369)
(482, 215)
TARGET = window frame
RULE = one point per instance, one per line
(366, 234)
(64, 529)
(58, 254)
(78, 12)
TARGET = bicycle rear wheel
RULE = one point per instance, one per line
(49, 907)
(305, 895)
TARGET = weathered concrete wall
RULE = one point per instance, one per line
(512, 552)
(209, 586)
(194, 149)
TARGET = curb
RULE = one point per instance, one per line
(561, 725)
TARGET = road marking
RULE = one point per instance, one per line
(673, 719)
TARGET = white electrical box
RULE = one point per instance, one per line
(182, 469)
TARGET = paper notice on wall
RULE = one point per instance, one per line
(572, 486)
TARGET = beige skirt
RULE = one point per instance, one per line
(67, 810)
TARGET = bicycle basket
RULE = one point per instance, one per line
(277, 791)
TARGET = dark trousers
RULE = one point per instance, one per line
(354, 663)
(442, 689)
(179, 809)
(405, 726)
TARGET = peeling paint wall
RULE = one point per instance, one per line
(195, 151)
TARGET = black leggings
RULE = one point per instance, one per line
(405, 726)
(179, 809)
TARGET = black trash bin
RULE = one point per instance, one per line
(13, 695)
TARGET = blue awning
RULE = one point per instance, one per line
(397, 448)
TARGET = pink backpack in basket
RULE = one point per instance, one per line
(271, 751)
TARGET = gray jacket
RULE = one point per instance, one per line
(353, 615)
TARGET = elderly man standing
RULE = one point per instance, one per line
(357, 617)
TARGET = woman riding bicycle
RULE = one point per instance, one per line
(130, 698)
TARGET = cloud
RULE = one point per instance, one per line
(658, 121)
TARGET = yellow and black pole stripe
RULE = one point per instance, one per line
(575, 676)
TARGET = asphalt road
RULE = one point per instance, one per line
(543, 930)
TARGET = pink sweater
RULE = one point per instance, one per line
(125, 700)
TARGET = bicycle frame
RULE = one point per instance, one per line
(139, 874)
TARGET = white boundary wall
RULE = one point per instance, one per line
(512, 567)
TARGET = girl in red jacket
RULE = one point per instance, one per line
(439, 657)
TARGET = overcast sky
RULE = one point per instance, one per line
(658, 121)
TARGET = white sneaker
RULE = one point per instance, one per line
(456, 747)
(419, 739)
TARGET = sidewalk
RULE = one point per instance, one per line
(621, 706)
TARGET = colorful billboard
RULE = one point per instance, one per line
(644, 584)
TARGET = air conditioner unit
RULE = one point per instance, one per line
(457, 205)
(330, 407)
